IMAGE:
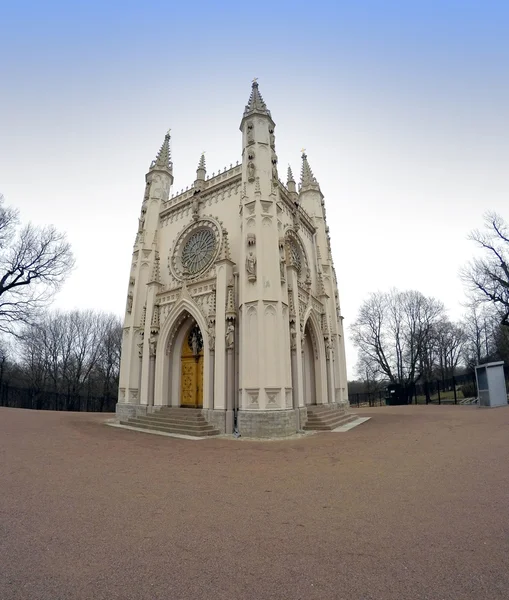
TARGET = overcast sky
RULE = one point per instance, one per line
(403, 108)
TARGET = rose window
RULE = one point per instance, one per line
(296, 257)
(198, 251)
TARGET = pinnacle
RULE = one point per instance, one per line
(163, 158)
(201, 164)
(256, 103)
(306, 175)
(290, 175)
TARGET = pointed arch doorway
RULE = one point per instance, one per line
(191, 369)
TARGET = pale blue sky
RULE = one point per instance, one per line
(402, 107)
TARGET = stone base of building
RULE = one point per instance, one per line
(124, 411)
(219, 419)
(267, 423)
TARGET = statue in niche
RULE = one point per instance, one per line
(272, 138)
(152, 345)
(250, 133)
(230, 336)
(251, 171)
(129, 302)
(212, 334)
(195, 342)
(293, 335)
(195, 207)
(251, 266)
(141, 221)
(282, 264)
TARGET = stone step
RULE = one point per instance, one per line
(180, 410)
(318, 408)
(329, 424)
(174, 419)
(187, 426)
(326, 417)
(172, 429)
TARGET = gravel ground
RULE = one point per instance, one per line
(412, 504)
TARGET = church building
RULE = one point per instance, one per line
(233, 320)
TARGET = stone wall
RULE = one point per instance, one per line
(267, 423)
(128, 411)
(216, 418)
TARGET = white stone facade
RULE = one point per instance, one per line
(236, 272)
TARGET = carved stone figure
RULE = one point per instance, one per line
(250, 133)
(195, 343)
(152, 346)
(251, 266)
(272, 138)
(251, 170)
(195, 208)
(212, 334)
(141, 221)
(282, 265)
(293, 335)
(230, 336)
(129, 302)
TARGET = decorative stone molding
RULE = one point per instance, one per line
(296, 255)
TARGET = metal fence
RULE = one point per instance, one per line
(445, 391)
(18, 397)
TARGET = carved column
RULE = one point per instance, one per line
(140, 355)
(329, 351)
(151, 371)
(230, 374)
(212, 348)
(295, 372)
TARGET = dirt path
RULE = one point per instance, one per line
(411, 505)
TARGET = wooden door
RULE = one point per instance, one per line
(191, 372)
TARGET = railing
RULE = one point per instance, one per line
(18, 397)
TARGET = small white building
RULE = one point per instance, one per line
(232, 303)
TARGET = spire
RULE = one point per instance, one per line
(307, 179)
(163, 158)
(255, 103)
(201, 170)
(290, 181)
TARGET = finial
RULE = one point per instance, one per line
(255, 103)
(163, 158)
(306, 176)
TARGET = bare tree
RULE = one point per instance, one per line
(487, 278)
(392, 332)
(449, 340)
(74, 354)
(34, 262)
(483, 331)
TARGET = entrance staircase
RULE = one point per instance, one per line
(326, 418)
(183, 421)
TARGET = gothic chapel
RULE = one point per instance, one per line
(233, 321)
